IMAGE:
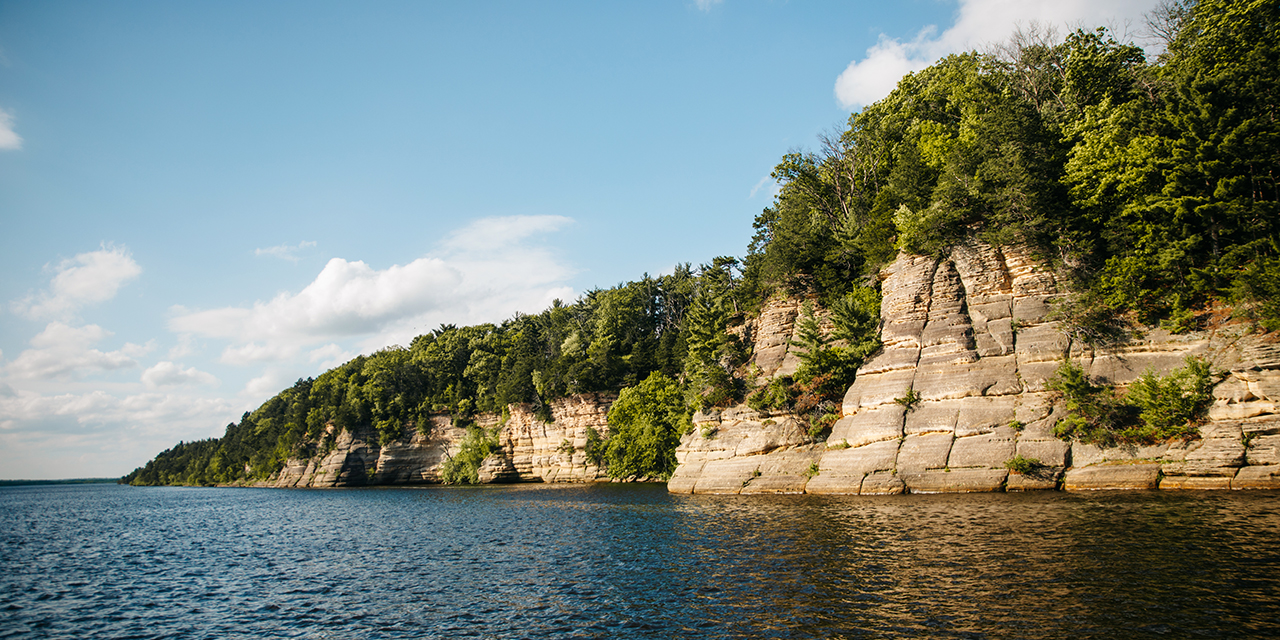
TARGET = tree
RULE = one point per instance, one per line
(645, 425)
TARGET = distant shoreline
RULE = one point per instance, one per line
(18, 483)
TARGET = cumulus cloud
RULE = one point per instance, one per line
(346, 298)
(258, 352)
(330, 356)
(284, 251)
(264, 386)
(86, 279)
(73, 413)
(978, 22)
(705, 5)
(482, 272)
(9, 140)
(63, 351)
(98, 434)
(168, 374)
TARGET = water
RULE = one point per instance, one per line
(614, 561)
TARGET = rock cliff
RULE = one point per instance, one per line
(958, 389)
(528, 450)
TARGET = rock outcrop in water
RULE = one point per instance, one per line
(970, 337)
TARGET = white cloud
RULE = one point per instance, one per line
(166, 374)
(155, 413)
(489, 234)
(978, 22)
(767, 182)
(254, 352)
(98, 434)
(330, 356)
(264, 386)
(9, 140)
(705, 5)
(284, 251)
(346, 298)
(186, 346)
(86, 279)
(63, 351)
(484, 272)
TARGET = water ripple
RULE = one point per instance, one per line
(632, 561)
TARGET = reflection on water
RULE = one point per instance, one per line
(633, 561)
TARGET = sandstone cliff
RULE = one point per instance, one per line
(971, 336)
(529, 450)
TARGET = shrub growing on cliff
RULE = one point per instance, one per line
(645, 425)
(1094, 413)
(828, 367)
(1023, 466)
(776, 395)
(1170, 406)
(464, 467)
(1156, 408)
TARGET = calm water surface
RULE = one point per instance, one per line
(613, 561)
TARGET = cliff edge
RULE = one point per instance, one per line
(958, 390)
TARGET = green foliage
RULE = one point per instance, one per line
(645, 425)
(1257, 286)
(595, 447)
(774, 396)
(184, 464)
(1153, 184)
(566, 447)
(712, 353)
(1156, 408)
(463, 468)
(1170, 406)
(1094, 413)
(826, 368)
(909, 400)
(1023, 466)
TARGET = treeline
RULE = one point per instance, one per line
(1151, 183)
(609, 339)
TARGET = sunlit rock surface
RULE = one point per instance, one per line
(955, 393)
(529, 450)
(971, 338)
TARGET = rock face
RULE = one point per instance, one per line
(528, 450)
(743, 451)
(555, 451)
(958, 390)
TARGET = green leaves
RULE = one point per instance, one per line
(645, 425)
(463, 468)
(1155, 409)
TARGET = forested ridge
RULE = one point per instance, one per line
(1150, 184)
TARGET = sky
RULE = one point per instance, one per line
(202, 202)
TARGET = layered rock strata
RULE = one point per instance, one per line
(958, 390)
(529, 449)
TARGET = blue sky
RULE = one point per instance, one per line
(202, 202)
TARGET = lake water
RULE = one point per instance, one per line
(632, 561)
